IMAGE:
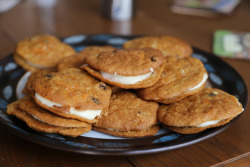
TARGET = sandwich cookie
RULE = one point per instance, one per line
(180, 78)
(170, 46)
(207, 109)
(41, 126)
(28, 104)
(41, 52)
(128, 69)
(129, 116)
(75, 61)
(72, 93)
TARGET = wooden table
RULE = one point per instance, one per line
(231, 147)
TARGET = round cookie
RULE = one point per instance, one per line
(28, 104)
(209, 108)
(41, 52)
(180, 78)
(72, 93)
(129, 69)
(13, 109)
(170, 46)
(75, 61)
(129, 116)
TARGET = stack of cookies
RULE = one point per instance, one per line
(41, 52)
(126, 92)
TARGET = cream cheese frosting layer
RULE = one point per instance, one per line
(204, 79)
(87, 114)
(126, 79)
(208, 123)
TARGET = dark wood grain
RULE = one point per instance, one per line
(239, 161)
(152, 18)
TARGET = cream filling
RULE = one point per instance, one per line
(113, 129)
(38, 118)
(201, 83)
(87, 114)
(208, 123)
(36, 65)
(126, 79)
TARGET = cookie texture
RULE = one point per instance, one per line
(95, 50)
(127, 113)
(151, 131)
(13, 109)
(170, 46)
(28, 89)
(42, 51)
(210, 104)
(71, 89)
(127, 63)
(179, 79)
(75, 61)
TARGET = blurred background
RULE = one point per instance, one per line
(63, 18)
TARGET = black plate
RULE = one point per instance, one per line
(221, 76)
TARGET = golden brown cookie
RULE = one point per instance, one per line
(32, 122)
(72, 93)
(28, 90)
(75, 61)
(209, 108)
(95, 50)
(193, 129)
(129, 114)
(41, 52)
(27, 104)
(23, 63)
(180, 78)
(151, 131)
(129, 69)
(170, 46)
